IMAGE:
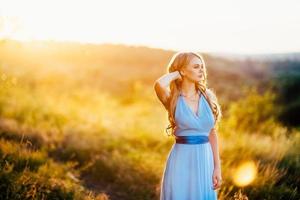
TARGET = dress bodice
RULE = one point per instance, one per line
(189, 123)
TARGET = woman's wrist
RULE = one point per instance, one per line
(217, 167)
(167, 78)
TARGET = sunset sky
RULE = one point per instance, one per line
(231, 26)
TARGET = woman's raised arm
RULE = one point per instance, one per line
(161, 86)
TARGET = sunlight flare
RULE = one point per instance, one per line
(245, 173)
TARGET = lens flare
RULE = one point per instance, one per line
(245, 173)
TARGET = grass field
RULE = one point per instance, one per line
(76, 127)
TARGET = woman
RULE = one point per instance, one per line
(193, 170)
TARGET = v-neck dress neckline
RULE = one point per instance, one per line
(197, 114)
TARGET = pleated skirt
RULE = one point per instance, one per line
(188, 173)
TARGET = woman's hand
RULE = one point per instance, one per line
(217, 178)
(179, 75)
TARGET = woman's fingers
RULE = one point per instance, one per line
(217, 182)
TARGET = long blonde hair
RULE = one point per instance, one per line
(179, 60)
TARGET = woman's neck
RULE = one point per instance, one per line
(188, 88)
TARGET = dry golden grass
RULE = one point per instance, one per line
(100, 130)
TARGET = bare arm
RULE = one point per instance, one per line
(217, 174)
(161, 86)
(213, 136)
(213, 139)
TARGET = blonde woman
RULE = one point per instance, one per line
(192, 170)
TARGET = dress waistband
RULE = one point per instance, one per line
(192, 139)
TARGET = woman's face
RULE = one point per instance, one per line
(194, 71)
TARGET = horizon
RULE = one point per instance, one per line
(225, 54)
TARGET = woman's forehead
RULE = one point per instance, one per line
(195, 60)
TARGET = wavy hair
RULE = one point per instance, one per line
(177, 62)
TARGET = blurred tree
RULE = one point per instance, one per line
(287, 85)
(254, 113)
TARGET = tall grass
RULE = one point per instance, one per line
(62, 139)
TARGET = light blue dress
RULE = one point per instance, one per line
(189, 168)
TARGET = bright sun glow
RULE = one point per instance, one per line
(245, 173)
(217, 26)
